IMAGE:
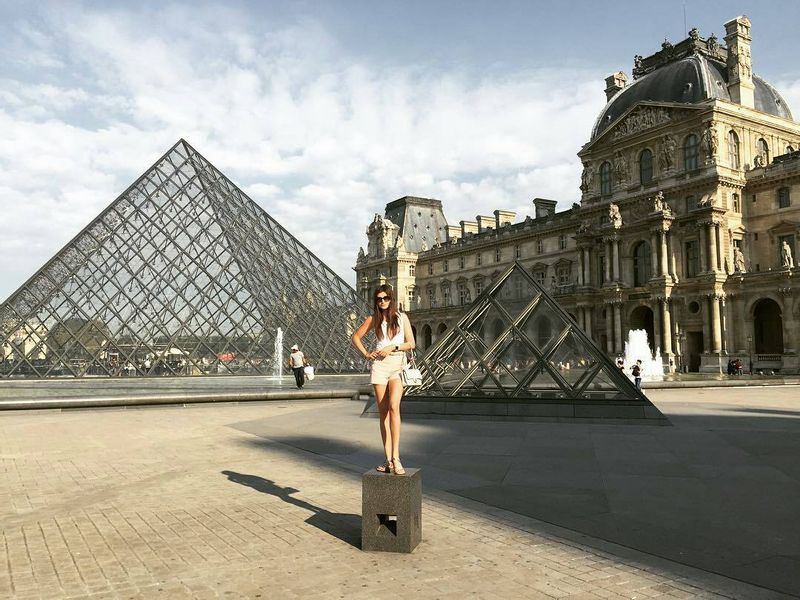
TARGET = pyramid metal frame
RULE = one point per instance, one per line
(182, 274)
(463, 365)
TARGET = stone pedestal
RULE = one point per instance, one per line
(713, 363)
(391, 511)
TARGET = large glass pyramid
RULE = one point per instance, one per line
(517, 343)
(183, 274)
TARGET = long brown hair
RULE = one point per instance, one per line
(392, 317)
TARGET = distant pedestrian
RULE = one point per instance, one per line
(739, 366)
(297, 361)
(620, 366)
(731, 366)
(636, 371)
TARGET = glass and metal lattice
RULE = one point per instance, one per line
(183, 274)
(517, 342)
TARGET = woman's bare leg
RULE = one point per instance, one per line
(394, 393)
(383, 411)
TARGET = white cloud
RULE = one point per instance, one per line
(320, 140)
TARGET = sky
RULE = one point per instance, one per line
(323, 112)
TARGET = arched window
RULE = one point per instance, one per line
(641, 264)
(691, 151)
(733, 150)
(646, 167)
(763, 151)
(605, 178)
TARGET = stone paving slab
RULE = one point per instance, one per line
(177, 503)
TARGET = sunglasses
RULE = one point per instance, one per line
(382, 299)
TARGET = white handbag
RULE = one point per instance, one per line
(411, 376)
(309, 372)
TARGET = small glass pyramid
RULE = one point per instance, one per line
(183, 274)
(516, 342)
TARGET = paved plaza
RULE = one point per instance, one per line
(262, 500)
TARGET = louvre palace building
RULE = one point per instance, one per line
(687, 224)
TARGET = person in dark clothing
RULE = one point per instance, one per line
(636, 371)
(620, 366)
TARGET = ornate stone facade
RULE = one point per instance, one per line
(689, 212)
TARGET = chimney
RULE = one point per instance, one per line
(468, 227)
(501, 217)
(544, 207)
(484, 222)
(740, 70)
(615, 83)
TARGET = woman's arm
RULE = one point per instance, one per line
(408, 335)
(356, 338)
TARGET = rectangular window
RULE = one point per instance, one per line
(539, 247)
(538, 276)
(737, 203)
(446, 294)
(517, 251)
(519, 287)
(478, 287)
(498, 254)
(692, 258)
(478, 259)
(460, 262)
(563, 275)
(432, 298)
(430, 268)
(562, 242)
(784, 201)
(691, 203)
(463, 294)
(445, 266)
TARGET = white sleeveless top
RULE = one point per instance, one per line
(399, 338)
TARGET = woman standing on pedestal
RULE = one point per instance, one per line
(395, 336)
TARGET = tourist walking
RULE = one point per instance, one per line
(621, 366)
(297, 361)
(394, 337)
(636, 371)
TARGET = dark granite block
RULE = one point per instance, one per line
(391, 511)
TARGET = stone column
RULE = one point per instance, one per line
(609, 329)
(672, 257)
(711, 235)
(704, 260)
(654, 252)
(715, 325)
(666, 325)
(656, 325)
(618, 326)
(706, 328)
(608, 261)
(664, 255)
(723, 319)
(587, 313)
(718, 238)
(616, 264)
(587, 266)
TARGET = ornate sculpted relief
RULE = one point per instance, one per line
(614, 217)
(587, 177)
(642, 119)
(710, 142)
(620, 169)
(666, 157)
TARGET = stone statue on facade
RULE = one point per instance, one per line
(667, 156)
(400, 244)
(361, 256)
(738, 261)
(710, 142)
(658, 202)
(587, 176)
(620, 168)
(759, 160)
(614, 217)
(713, 45)
(787, 261)
(706, 200)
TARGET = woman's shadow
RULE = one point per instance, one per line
(345, 526)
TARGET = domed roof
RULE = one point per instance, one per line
(692, 79)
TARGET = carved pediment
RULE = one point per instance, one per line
(642, 117)
(539, 266)
(783, 228)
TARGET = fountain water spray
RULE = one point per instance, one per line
(277, 356)
(637, 348)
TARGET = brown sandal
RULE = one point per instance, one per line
(398, 467)
(385, 467)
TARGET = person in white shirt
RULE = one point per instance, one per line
(395, 336)
(297, 361)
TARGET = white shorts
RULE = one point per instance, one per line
(387, 368)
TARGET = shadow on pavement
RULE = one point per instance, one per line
(718, 491)
(346, 527)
